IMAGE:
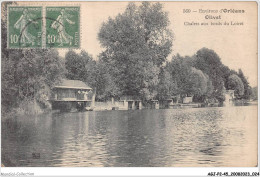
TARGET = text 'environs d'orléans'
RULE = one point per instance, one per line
(214, 14)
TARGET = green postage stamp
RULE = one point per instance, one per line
(62, 27)
(24, 27)
(56, 27)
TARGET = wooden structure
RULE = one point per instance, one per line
(166, 103)
(170, 102)
(72, 95)
(130, 103)
(187, 99)
(154, 104)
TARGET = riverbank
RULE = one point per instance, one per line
(113, 106)
(105, 106)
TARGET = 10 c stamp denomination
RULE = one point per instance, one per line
(48, 27)
(62, 27)
(24, 27)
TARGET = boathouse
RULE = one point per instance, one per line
(130, 102)
(72, 95)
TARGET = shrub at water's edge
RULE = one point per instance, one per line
(27, 79)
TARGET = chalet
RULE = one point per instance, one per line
(130, 102)
(72, 95)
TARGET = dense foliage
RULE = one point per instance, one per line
(202, 76)
(254, 93)
(81, 67)
(27, 75)
(205, 77)
(134, 62)
(235, 83)
(136, 44)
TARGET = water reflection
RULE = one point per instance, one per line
(170, 137)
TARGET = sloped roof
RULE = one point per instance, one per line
(73, 84)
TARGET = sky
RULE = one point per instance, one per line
(235, 45)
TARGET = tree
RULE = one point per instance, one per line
(254, 94)
(226, 72)
(75, 66)
(180, 71)
(198, 81)
(29, 75)
(189, 80)
(209, 62)
(136, 44)
(247, 88)
(210, 88)
(81, 67)
(219, 92)
(235, 83)
(166, 87)
(105, 86)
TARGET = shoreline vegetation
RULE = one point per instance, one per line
(135, 61)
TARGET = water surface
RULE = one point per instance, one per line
(222, 136)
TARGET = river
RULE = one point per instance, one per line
(217, 136)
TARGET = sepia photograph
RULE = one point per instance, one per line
(129, 84)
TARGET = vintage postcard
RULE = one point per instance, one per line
(129, 84)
